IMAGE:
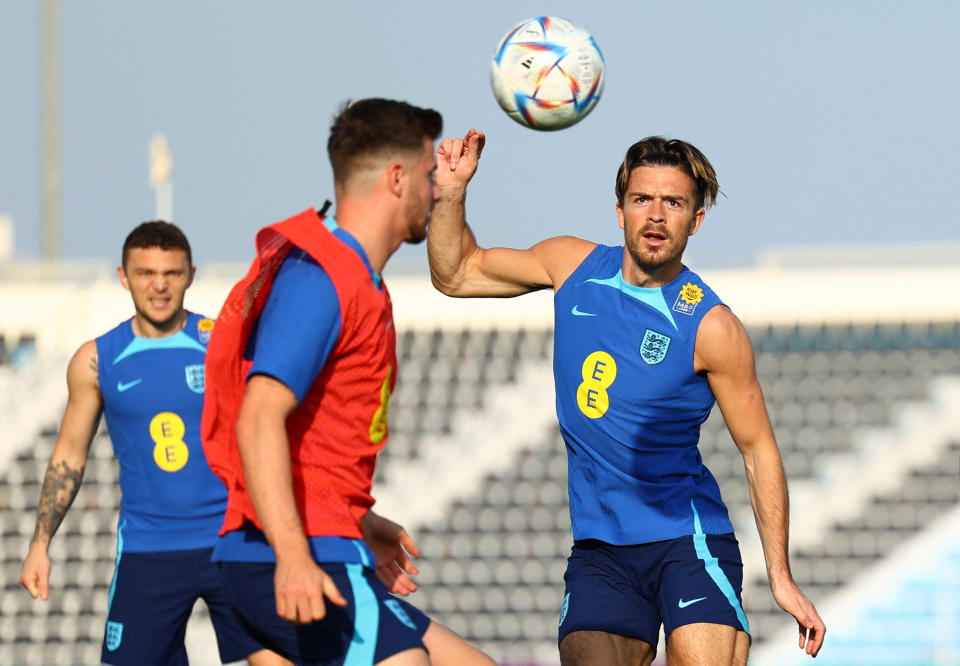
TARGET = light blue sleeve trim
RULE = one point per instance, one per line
(366, 620)
(714, 570)
(652, 296)
(116, 566)
(179, 340)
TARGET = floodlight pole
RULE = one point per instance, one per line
(161, 170)
(51, 129)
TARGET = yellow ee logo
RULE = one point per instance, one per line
(598, 372)
(171, 452)
(378, 426)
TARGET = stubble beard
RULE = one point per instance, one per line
(652, 259)
(417, 233)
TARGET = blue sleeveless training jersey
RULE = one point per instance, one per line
(152, 392)
(630, 405)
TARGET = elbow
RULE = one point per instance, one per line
(447, 287)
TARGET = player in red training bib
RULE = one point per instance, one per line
(300, 371)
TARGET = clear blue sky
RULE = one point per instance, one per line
(829, 122)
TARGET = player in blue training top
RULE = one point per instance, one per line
(146, 375)
(643, 348)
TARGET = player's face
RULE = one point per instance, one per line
(658, 215)
(422, 192)
(157, 280)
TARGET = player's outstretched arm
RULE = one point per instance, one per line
(392, 548)
(458, 266)
(65, 470)
(724, 352)
(300, 585)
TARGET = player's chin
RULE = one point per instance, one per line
(162, 322)
(418, 234)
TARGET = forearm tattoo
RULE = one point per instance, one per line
(60, 485)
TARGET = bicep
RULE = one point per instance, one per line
(505, 272)
(724, 352)
(81, 416)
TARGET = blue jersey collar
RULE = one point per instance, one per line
(351, 240)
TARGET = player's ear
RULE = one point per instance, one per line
(122, 274)
(193, 272)
(395, 174)
(697, 221)
(620, 215)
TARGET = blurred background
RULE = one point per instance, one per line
(832, 127)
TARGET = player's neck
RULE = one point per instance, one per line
(372, 228)
(144, 328)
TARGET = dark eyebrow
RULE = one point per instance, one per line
(672, 197)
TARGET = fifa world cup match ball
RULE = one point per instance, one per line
(547, 73)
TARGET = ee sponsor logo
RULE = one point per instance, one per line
(599, 371)
(170, 451)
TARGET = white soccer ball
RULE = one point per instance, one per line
(547, 73)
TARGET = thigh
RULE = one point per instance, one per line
(705, 644)
(151, 597)
(371, 628)
(446, 648)
(233, 641)
(593, 648)
(602, 595)
(700, 582)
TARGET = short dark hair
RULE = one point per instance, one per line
(157, 233)
(656, 151)
(372, 128)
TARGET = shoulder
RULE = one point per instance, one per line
(720, 323)
(721, 340)
(83, 369)
(302, 289)
(301, 273)
(87, 350)
(561, 255)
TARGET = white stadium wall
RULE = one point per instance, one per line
(61, 313)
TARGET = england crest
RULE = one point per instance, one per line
(195, 376)
(654, 347)
(114, 635)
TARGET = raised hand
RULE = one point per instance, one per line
(457, 159)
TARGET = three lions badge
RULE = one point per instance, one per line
(654, 347)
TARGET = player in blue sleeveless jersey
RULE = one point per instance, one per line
(146, 375)
(642, 350)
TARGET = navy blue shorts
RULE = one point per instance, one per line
(151, 598)
(632, 590)
(372, 626)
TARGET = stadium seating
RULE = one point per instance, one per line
(493, 563)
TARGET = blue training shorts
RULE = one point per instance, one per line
(151, 598)
(372, 626)
(632, 590)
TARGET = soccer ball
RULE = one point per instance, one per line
(547, 73)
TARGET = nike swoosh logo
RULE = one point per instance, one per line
(121, 387)
(579, 313)
(684, 604)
